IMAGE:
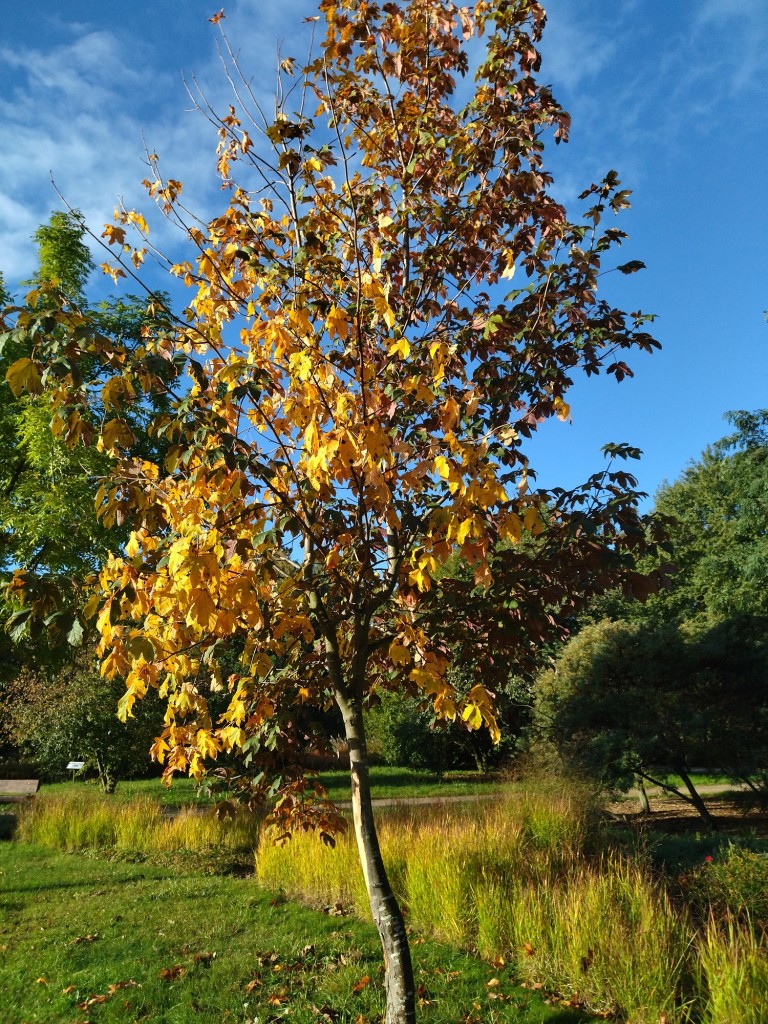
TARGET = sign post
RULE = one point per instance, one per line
(75, 766)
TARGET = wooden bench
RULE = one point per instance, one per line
(13, 790)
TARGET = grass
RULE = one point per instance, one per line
(86, 820)
(519, 881)
(387, 783)
(138, 943)
(533, 881)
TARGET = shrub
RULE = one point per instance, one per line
(732, 882)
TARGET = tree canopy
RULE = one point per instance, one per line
(351, 392)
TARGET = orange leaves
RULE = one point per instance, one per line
(172, 973)
(113, 234)
(216, 18)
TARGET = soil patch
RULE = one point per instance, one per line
(734, 815)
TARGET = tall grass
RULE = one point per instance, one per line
(519, 880)
(88, 821)
(733, 972)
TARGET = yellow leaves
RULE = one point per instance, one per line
(420, 578)
(464, 530)
(532, 521)
(202, 609)
(400, 348)
(450, 414)
(116, 391)
(158, 750)
(262, 665)
(337, 324)
(478, 711)
(511, 527)
(562, 409)
(472, 716)
(300, 322)
(232, 738)
(112, 271)
(207, 743)
(447, 470)
(115, 434)
(132, 217)
(23, 375)
(398, 654)
(509, 265)
(374, 290)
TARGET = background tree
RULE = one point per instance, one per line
(363, 393)
(627, 700)
(65, 712)
(48, 521)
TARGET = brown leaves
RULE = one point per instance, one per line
(97, 1000)
(362, 984)
(172, 973)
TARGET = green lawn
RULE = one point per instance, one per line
(391, 783)
(83, 939)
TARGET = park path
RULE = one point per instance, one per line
(715, 789)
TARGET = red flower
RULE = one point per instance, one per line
(709, 859)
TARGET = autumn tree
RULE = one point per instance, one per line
(353, 390)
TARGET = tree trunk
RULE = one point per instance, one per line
(697, 802)
(645, 804)
(106, 777)
(398, 980)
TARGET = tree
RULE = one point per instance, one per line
(48, 522)
(716, 525)
(66, 712)
(628, 701)
(362, 393)
(718, 513)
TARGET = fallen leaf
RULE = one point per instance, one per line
(172, 973)
(92, 1001)
(363, 983)
(41, 981)
(492, 982)
(68, 990)
(116, 986)
(85, 938)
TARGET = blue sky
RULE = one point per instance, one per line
(672, 95)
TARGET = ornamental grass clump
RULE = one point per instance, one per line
(517, 880)
(732, 971)
(89, 821)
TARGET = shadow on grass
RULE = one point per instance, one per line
(7, 826)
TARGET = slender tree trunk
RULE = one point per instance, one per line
(645, 803)
(401, 1004)
(696, 800)
(106, 778)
